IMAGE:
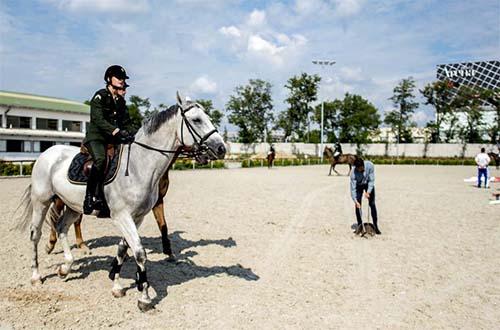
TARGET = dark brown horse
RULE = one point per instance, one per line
(341, 159)
(270, 158)
(158, 210)
(496, 157)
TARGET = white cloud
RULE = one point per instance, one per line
(275, 52)
(306, 7)
(351, 73)
(260, 45)
(422, 117)
(130, 6)
(232, 31)
(257, 18)
(347, 8)
(204, 85)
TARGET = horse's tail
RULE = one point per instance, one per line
(27, 207)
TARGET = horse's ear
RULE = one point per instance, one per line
(179, 99)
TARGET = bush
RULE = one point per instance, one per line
(187, 164)
(10, 169)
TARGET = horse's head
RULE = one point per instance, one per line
(197, 133)
(328, 152)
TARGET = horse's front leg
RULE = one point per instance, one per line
(116, 266)
(80, 243)
(129, 230)
(159, 214)
(331, 167)
(69, 217)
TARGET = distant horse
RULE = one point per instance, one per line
(341, 159)
(496, 157)
(183, 127)
(270, 158)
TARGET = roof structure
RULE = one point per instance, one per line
(24, 100)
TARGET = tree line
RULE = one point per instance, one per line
(352, 119)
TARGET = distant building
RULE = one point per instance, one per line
(385, 134)
(30, 124)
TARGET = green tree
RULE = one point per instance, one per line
(358, 119)
(399, 119)
(468, 101)
(331, 116)
(303, 90)
(439, 95)
(214, 114)
(136, 108)
(492, 97)
(251, 110)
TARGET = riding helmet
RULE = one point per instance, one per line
(115, 71)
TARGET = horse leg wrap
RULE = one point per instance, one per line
(141, 278)
(115, 269)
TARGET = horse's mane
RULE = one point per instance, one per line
(153, 123)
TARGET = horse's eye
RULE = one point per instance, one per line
(197, 120)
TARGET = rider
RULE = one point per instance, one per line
(271, 150)
(338, 150)
(109, 124)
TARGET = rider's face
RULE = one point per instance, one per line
(117, 82)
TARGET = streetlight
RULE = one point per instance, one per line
(323, 63)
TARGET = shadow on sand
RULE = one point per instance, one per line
(162, 273)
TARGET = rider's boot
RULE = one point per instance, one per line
(103, 205)
(89, 204)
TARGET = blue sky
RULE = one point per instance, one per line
(206, 48)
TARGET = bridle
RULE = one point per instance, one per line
(199, 146)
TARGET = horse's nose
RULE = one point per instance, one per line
(221, 151)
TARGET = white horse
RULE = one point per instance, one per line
(184, 127)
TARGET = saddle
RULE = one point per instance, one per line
(81, 164)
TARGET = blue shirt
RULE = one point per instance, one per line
(365, 178)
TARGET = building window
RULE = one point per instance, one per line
(27, 146)
(18, 122)
(72, 126)
(44, 145)
(15, 146)
(3, 146)
(36, 146)
(46, 124)
(76, 144)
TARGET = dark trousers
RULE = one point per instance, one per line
(97, 150)
(371, 202)
(482, 172)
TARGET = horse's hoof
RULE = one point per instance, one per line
(118, 293)
(144, 306)
(84, 248)
(61, 272)
(49, 248)
(171, 258)
(37, 281)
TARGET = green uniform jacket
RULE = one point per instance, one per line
(106, 115)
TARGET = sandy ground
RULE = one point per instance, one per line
(271, 249)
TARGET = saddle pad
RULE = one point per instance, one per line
(76, 175)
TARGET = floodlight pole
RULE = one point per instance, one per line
(322, 63)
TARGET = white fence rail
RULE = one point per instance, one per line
(374, 149)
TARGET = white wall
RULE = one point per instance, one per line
(378, 149)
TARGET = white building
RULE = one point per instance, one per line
(30, 124)
(386, 134)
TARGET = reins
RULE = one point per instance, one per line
(199, 141)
